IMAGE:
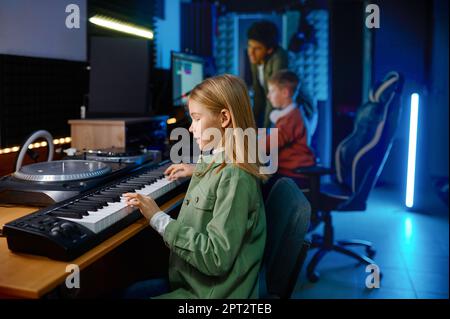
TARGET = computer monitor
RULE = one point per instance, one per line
(188, 70)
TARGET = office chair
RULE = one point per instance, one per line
(287, 213)
(359, 161)
(310, 113)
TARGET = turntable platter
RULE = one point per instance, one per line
(65, 170)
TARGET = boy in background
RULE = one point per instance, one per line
(293, 149)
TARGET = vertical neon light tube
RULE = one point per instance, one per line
(413, 121)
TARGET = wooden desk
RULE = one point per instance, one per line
(29, 276)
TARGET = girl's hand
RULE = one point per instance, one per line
(146, 205)
(176, 171)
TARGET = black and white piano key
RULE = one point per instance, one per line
(102, 218)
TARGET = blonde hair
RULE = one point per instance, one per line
(285, 79)
(230, 92)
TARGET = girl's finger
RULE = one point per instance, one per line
(135, 202)
(170, 169)
(177, 171)
(140, 197)
(173, 176)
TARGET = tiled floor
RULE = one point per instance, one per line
(412, 252)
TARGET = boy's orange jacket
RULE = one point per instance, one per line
(293, 150)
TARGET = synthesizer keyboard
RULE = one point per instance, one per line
(68, 229)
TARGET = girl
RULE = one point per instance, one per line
(217, 242)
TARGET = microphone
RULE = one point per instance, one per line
(179, 98)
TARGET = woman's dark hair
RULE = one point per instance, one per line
(265, 32)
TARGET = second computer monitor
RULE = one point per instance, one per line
(188, 70)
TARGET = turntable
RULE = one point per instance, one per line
(123, 155)
(62, 171)
(46, 183)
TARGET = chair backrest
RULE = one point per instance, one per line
(309, 111)
(288, 213)
(360, 157)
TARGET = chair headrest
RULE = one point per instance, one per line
(392, 82)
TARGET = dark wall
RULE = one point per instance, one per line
(197, 23)
(413, 39)
(401, 44)
(38, 93)
(267, 5)
(346, 34)
(437, 116)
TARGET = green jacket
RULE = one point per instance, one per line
(261, 105)
(217, 242)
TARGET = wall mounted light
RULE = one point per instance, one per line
(114, 24)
